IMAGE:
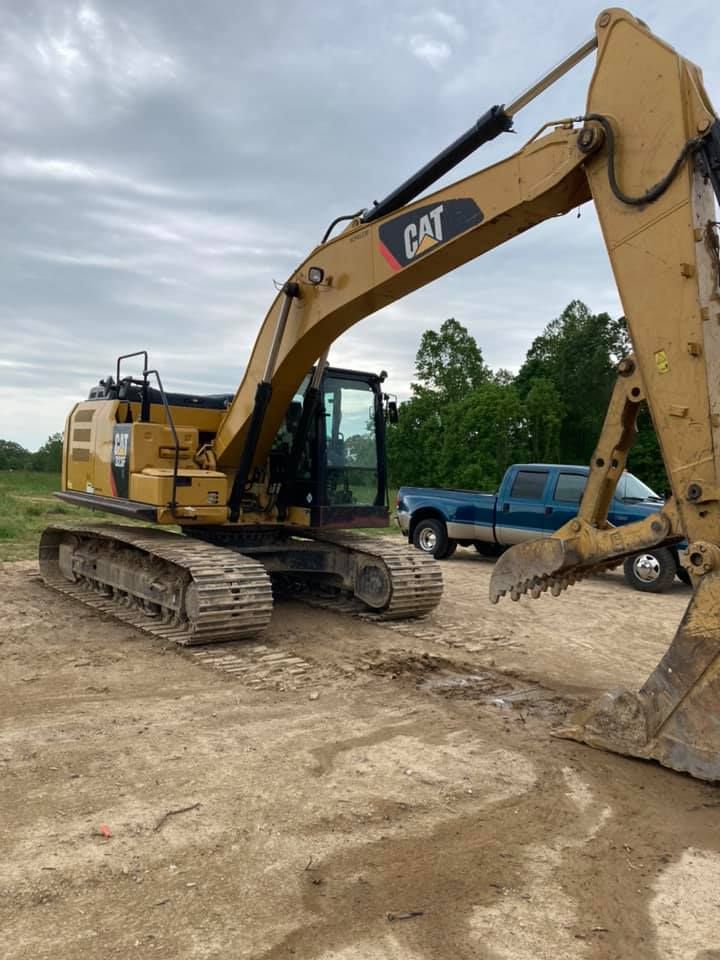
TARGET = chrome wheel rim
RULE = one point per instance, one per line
(427, 539)
(646, 568)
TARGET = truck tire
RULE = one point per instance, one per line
(651, 571)
(683, 575)
(431, 536)
(486, 549)
(451, 548)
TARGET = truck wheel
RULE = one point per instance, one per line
(431, 536)
(683, 575)
(651, 571)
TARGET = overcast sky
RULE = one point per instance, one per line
(163, 161)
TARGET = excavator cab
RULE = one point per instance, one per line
(340, 471)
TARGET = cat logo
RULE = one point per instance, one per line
(419, 237)
(120, 448)
(414, 234)
(120, 462)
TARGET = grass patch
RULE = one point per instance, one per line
(393, 529)
(27, 506)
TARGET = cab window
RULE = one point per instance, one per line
(569, 487)
(528, 485)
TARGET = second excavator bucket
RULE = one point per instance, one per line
(674, 717)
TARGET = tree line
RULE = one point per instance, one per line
(464, 423)
(48, 459)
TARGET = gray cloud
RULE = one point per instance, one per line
(161, 164)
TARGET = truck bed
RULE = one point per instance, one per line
(470, 515)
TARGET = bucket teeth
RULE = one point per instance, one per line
(530, 568)
(536, 586)
(557, 585)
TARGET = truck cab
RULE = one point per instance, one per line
(539, 498)
(533, 500)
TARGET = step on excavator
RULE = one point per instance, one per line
(266, 485)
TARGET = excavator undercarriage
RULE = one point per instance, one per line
(192, 591)
(262, 482)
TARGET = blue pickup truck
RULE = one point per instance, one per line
(534, 499)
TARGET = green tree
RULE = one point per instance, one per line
(48, 459)
(503, 376)
(360, 450)
(414, 442)
(544, 413)
(448, 366)
(577, 353)
(465, 424)
(13, 456)
(484, 434)
(462, 426)
(449, 362)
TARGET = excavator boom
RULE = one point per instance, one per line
(371, 265)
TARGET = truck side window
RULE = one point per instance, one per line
(528, 485)
(569, 487)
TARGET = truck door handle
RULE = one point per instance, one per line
(506, 507)
(548, 511)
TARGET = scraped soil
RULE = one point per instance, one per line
(343, 789)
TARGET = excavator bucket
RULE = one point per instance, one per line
(536, 566)
(674, 717)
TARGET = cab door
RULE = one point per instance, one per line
(521, 515)
(564, 501)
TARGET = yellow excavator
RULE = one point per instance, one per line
(265, 484)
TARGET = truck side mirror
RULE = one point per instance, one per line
(392, 411)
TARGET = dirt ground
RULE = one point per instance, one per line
(298, 797)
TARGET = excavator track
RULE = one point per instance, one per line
(414, 583)
(165, 584)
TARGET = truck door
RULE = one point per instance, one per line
(564, 501)
(521, 515)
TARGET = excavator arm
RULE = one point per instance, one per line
(653, 188)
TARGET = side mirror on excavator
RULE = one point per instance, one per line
(391, 409)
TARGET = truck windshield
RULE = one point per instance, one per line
(630, 488)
